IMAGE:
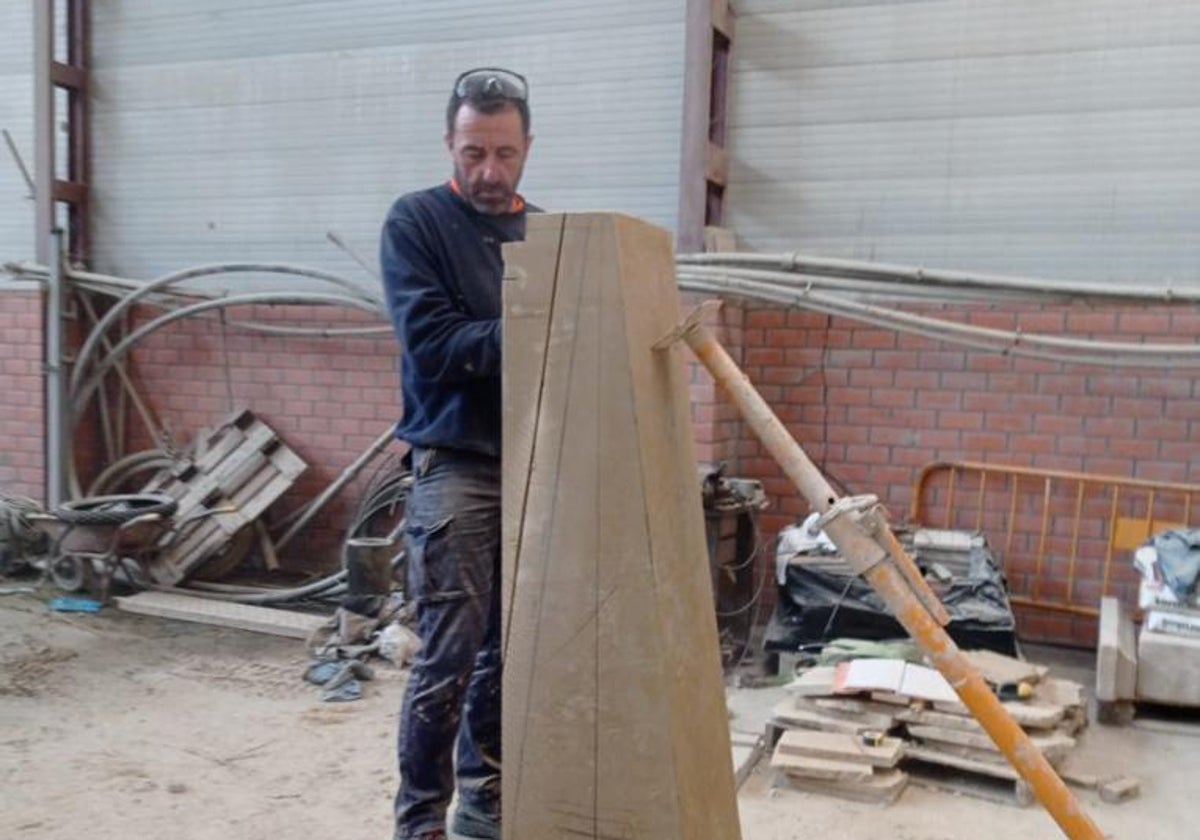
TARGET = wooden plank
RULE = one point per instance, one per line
(840, 747)
(530, 270)
(235, 473)
(226, 441)
(222, 614)
(673, 510)
(614, 718)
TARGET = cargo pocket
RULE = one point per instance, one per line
(431, 568)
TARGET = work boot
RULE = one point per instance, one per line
(469, 826)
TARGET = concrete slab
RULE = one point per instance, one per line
(1168, 669)
(1116, 654)
(276, 622)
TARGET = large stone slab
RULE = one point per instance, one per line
(1168, 669)
(1116, 654)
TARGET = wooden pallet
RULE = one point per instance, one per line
(243, 468)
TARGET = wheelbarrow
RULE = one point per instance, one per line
(91, 538)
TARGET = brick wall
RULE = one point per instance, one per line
(328, 398)
(870, 406)
(716, 421)
(21, 394)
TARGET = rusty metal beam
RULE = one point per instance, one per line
(66, 76)
(71, 76)
(43, 116)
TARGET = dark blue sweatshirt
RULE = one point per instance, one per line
(442, 272)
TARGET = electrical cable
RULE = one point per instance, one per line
(893, 273)
(1014, 343)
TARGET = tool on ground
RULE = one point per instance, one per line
(871, 738)
(868, 545)
(1014, 691)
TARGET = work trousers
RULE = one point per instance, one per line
(450, 720)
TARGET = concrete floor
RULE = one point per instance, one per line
(117, 726)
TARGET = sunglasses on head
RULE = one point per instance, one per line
(491, 83)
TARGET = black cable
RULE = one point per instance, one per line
(837, 606)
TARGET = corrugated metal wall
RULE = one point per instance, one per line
(16, 115)
(1050, 137)
(246, 129)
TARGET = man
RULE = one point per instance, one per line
(442, 268)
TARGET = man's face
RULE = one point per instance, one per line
(488, 151)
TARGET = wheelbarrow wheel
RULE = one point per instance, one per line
(72, 573)
(114, 510)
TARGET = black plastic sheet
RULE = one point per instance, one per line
(823, 600)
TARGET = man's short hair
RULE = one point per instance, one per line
(489, 91)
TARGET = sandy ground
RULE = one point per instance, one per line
(118, 726)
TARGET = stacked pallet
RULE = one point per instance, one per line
(935, 735)
(240, 470)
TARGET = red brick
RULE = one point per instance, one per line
(899, 361)
(942, 360)
(1058, 424)
(965, 420)
(1093, 323)
(875, 339)
(1152, 325)
(1031, 445)
(985, 442)
(766, 318)
(994, 320)
(1049, 322)
(1085, 406)
(838, 338)
(1119, 467)
(763, 356)
(985, 401)
(941, 399)
(1060, 383)
(1135, 407)
(892, 397)
(1120, 385)
(1161, 430)
(1135, 449)
(848, 358)
(1011, 383)
(916, 380)
(1007, 422)
(805, 357)
(960, 381)
(870, 377)
(1185, 322)
(891, 436)
(849, 396)
(1114, 427)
